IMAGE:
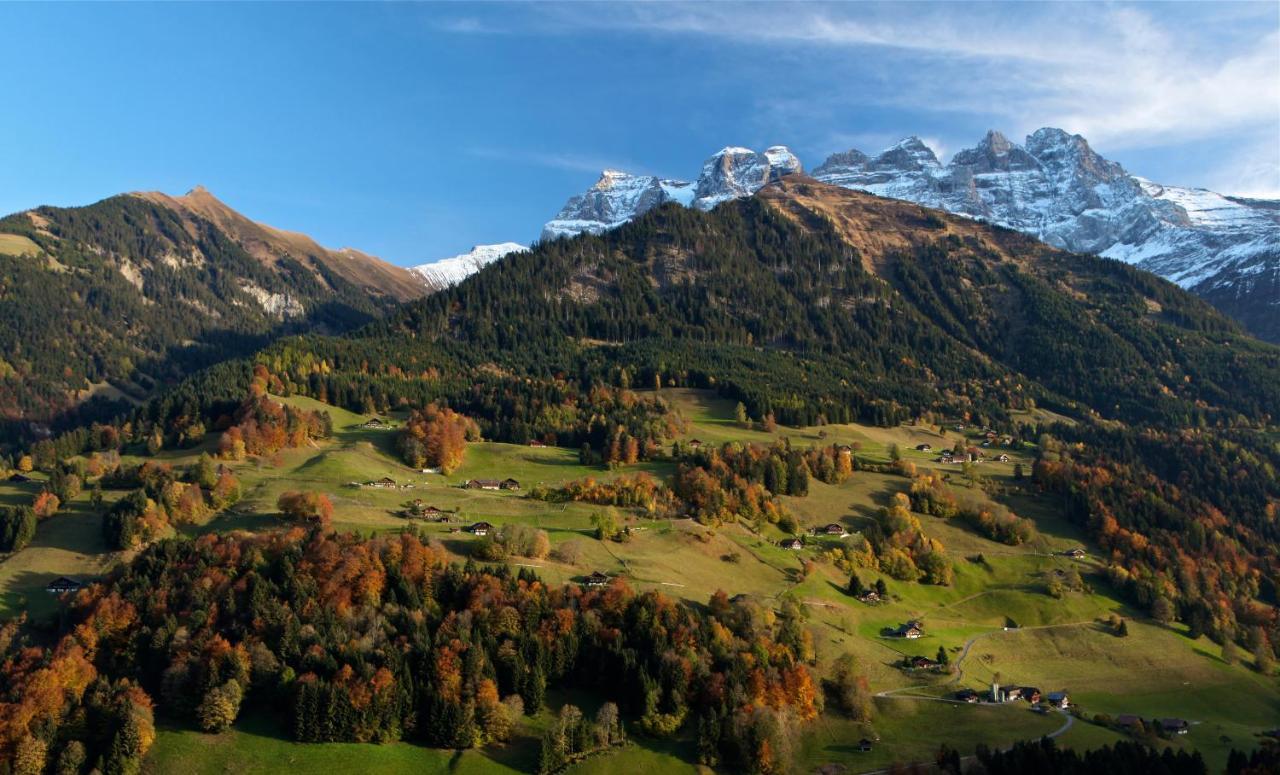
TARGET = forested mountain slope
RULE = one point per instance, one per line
(895, 302)
(116, 297)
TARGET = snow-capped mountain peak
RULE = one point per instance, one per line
(450, 271)
(1057, 188)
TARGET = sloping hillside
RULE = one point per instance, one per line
(136, 290)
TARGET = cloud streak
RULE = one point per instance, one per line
(1116, 74)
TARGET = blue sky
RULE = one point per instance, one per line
(414, 131)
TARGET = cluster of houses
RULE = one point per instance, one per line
(960, 458)
(1031, 694)
(833, 530)
(1166, 726)
(491, 484)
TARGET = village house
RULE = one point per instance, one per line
(385, 482)
(480, 528)
(509, 484)
(375, 424)
(695, 443)
(1012, 693)
(911, 630)
(1128, 721)
(870, 597)
(483, 484)
(923, 663)
(432, 470)
(832, 529)
(1075, 554)
(1174, 726)
(62, 584)
(1059, 700)
(794, 544)
(596, 579)
(1003, 458)
(537, 444)
(924, 447)
(968, 695)
(1031, 694)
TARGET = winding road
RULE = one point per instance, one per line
(899, 694)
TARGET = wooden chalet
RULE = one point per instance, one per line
(1031, 694)
(831, 529)
(385, 482)
(924, 447)
(1174, 726)
(596, 579)
(794, 544)
(537, 444)
(695, 443)
(509, 484)
(1075, 554)
(923, 663)
(375, 423)
(911, 630)
(480, 529)
(968, 695)
(483, 484)
(870, 597)
(61, 585)
(1128, 721)
(1059, 700)
(1003, 458)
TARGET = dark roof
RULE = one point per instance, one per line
(481, 526)
(597, 577)
(63, 583)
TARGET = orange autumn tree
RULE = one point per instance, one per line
(306, 506)
(437, 437)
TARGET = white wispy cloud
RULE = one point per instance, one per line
(572, 162)
(1123, 76)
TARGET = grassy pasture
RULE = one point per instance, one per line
(1059, 644)
(18, 245)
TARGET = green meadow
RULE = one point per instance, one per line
(997, 606)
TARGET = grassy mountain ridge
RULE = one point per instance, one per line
(116, 297)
